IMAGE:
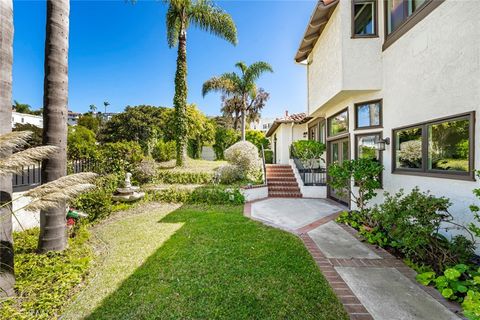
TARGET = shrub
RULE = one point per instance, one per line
(120, 157)
(98, 202)
(364, 172)
(257, 138)
(145, 171)
(224, 138)
(45, 282)
(81, 143)
(269, 156)
(164, 151)
(213, 195)
(183, 177)
(308, 151)
(413, 224)
(228, 174)
(244, 155)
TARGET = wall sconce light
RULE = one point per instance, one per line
(380, 144)
(305, 134)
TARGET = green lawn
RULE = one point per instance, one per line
(202, 262)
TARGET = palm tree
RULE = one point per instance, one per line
(7, 276)
(53, 232)
(205, 15)
(242, 86)
(106, 104)
(92, 108)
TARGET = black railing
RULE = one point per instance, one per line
(312, 175)
(264, 167)
(31, 176)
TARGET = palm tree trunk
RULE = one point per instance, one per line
(180, 99)
(53, 232)
(244, 116)
(7, 276)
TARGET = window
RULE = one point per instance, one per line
(365, 148)
(364, 18)
(321, 133)
(338, 123)
(402, 15)
(437, 148)
(368, 115)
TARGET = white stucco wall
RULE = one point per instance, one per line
(286, 134)
(432, 71)
(24, 118)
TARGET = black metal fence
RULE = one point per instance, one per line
(31, 176)
(311, 176)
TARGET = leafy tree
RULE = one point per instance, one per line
(258, 139)
(26, 108)
(37, 133)
(143, 124)
(309, 152)
(7, 275)
(232, 107)
(91, 122)
(242, 86)
(224, 138)
(81, 143)
(53, 232)
(206, 16)
(364, 172)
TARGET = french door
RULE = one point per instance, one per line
(338, 151)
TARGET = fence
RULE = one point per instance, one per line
(31, 176)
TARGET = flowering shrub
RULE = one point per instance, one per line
(228, 174)
(244, 155)
(411, 152)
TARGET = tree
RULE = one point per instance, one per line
(88, 120)
(7, 276)
(206, 16)
(143, 124)
(106, 104)
(258, 138)
(81, 143)
(92, 108)
(53, 235)
(22, 107)
(232, 107)
(242, 86)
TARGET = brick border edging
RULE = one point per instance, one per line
(355, 309)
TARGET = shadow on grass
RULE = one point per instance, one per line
(221, 265)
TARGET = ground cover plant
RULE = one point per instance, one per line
(202, 262)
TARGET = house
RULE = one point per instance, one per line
(73, 117)
(283, 132)
(262, 124)
(26, 118)
(398, 81)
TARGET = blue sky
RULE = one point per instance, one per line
(119, 53)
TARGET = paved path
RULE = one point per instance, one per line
(371, 283)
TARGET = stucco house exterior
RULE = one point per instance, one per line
(283, 132)
(398, 81)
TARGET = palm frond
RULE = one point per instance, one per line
(15, 162)
(207, 16)
(62, 183)
(227, 83)
(173, 26)
(242, 66)
(256, 69)
(14, 140)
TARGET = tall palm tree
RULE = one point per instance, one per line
(53, 235)
(92, 108)
(7, 276)
(242, 86)
(106, 104)
(205, 15)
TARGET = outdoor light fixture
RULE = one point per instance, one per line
(305, 134)
(380, 144)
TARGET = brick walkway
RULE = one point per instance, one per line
(332, 267)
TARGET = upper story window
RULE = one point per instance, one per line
(402, 15)
(440, 148)
(368, 114)
(338, 123)
(364, 18)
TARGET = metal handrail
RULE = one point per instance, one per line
(264, 166)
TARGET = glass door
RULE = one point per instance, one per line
(339, 151)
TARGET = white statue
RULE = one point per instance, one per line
(128, 183)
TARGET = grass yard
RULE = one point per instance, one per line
(201, 262)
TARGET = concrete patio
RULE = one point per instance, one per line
(371, 283)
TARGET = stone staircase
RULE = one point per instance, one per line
(281, 182)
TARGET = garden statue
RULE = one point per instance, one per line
(128, 193)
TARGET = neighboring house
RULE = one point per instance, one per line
(398, 81)
(283, 132)
(73, 118)
(25, 118)
(263, 124)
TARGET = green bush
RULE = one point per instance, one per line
(307, 150)
(224, 138)
(183, 177)
(121, 157)
(45, 282)
(213, 195)
(257, 138)
(268, 156)
(244, 155)
(164, 151)
(97, 203)
(81, 143)
(364, 172)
